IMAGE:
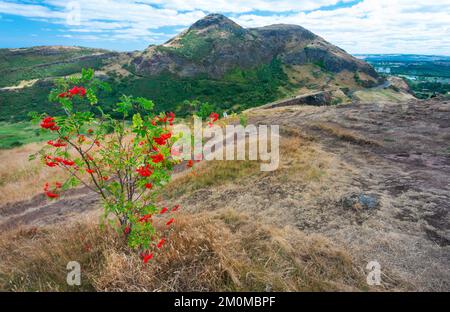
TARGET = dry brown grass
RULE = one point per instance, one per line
(300, 160)
(310, 77)
(381, 96)
(222, 251)
(21, 179)
(207, 251)
(216, 173)
(344, 134)
(213, 174)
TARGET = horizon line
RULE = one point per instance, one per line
(131, 51)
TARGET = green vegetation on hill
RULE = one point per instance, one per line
(15, 105)
(11, 78)
(239, 89)
(425, 90)
(193, 46)
(216, 61)
(18, 58)
(198, 46)
(39, 63)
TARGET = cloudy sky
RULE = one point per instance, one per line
(358, 26)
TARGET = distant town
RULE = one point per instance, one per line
(427, 75)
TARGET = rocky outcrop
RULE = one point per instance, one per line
(400, 84)
(316, 99)
(298, 46)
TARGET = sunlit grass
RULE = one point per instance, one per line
(21, 133)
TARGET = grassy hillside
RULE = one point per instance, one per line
(15, 105)
(215, 61)
(20, 133)
(42, 62)
(234, 239)
(239, 89)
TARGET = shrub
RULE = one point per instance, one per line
(125, 164)
(243, 120)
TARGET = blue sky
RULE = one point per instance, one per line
(358, 26)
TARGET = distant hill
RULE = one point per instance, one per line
(216, 45)
(215, 60)
(27, 74)
(47, 61)
(403, 57)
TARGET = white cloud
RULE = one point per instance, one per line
(29, 10)
(384, 26)
(125, 20)
(239, 6)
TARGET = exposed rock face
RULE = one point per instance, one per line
(298, 46)
(400, 84)
(215, 45)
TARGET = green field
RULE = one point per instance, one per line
(17, 134)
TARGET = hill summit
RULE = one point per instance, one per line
(215, 20)
(215, 45)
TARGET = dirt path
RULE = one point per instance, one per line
(39, 211)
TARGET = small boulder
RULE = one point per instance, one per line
(361, 201)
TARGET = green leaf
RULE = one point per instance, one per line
(137, 121)
(35, 117)
(92, 98)
(87, 74)
(70, 183)
(145, 103)
(79, 162)
(66, 104)
(125, 106)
